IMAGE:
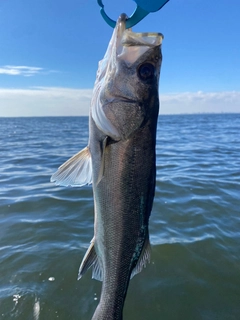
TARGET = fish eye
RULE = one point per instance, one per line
(146, 71)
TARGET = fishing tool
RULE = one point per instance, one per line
(142, 10)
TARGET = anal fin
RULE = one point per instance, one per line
(143, 259)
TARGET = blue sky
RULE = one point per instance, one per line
(49, 52)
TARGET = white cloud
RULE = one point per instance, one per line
(44, 101)
(200, 102)
(20, 70)
(52, 101)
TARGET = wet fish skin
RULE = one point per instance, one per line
(121, 158)
(124, 205)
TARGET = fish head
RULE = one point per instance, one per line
(126, 89)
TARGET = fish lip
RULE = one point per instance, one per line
(122, 21)
(121, 28)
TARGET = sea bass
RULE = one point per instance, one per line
(119, 161)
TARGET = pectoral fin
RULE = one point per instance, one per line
(77, 171)
(90, 259)
(143, 259)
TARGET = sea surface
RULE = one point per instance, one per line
(195, 223)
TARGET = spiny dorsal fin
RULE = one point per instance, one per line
(77, 171)
(143, 259)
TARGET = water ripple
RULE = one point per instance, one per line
(45, 229)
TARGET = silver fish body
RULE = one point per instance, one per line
(121, 157)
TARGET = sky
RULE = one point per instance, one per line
(49, 53)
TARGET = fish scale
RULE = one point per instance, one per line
(123, 218)
(124, 197)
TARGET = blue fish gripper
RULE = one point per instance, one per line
(142, 10)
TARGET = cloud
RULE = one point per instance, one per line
(52, 101)
(44, 101)
(200, 102)
(20, 70)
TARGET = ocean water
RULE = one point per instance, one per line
(195, 223)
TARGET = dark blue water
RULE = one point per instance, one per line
(195, 223)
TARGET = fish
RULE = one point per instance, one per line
(120, 162)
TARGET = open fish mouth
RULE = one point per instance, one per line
(130, 45)
(130, 38)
